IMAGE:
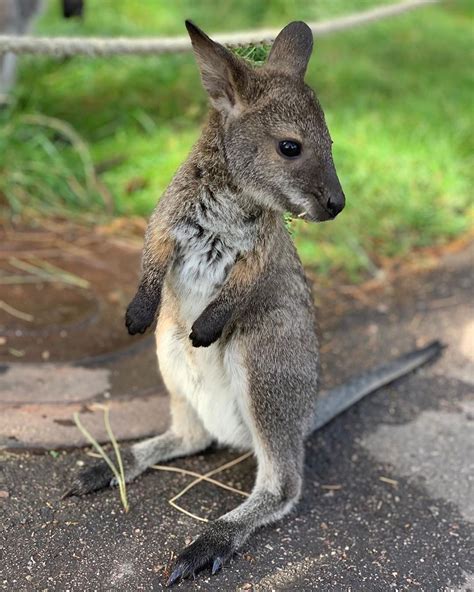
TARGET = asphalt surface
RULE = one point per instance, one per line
(389, 485)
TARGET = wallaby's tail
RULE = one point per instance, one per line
(340, 398)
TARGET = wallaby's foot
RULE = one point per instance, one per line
(213, 547)
(140, 314)
(99, 476)
(91, 478)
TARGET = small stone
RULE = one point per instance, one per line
(4, 494)
(45, 354)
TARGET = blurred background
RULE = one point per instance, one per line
(93, 140)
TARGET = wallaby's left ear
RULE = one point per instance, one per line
(223, 74)
(292, 49)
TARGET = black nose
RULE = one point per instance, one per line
(335, 204)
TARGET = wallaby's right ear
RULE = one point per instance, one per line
(292, 49)
(223, 74)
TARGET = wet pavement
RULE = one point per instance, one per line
(389, 485)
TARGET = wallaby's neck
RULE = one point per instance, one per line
(208, 164)
(209, 159)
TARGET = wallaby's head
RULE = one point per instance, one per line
(276, 142)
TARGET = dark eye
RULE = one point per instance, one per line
(289, 148)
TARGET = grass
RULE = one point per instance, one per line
(118, 470)
(397, 96)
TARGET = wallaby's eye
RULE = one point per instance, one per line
(289, 148)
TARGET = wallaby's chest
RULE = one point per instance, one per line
(208, 242)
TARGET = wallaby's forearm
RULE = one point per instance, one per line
(234, 295)
(157, 256)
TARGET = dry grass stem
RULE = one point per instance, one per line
(223, 467)
(118, 473)
(207, 477)
(46, 272)
(14, 312)
(389, 481)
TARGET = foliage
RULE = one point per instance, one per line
(397, 96)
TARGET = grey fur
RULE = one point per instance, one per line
(236, 336)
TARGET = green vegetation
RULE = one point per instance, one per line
(397, 96)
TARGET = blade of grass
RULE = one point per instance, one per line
(104, 456)
(123, 490)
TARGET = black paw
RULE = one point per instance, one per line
(214, 547)
(92, 478)
(204, 334)
(140, 314)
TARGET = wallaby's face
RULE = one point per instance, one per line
(277, 145)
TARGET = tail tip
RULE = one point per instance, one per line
(433, 349)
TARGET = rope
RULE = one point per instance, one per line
(91, 46)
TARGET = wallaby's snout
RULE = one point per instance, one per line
(333, 196)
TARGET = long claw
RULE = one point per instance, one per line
(217, 565)
(68, 493)
(180, 572)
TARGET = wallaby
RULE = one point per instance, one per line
(236, 338)
(16, 18)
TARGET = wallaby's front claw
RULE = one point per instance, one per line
(138, 316)
(202, 338)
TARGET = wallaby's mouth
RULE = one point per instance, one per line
(322, 208)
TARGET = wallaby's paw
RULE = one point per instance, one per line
(92, 478)
(140, 315)
(203, 333)
(214, 547)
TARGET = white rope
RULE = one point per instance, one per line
(92, 46)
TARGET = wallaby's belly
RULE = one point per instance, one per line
(212, 379)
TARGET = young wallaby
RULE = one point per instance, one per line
(236, 338)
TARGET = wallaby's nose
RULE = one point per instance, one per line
(335, 204)
(336, 199)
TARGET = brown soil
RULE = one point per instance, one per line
(54, 320)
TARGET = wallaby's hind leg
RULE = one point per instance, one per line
(278, 442)
(269, 502)
(186, 436)
(277, 489)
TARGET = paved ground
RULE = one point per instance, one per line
(388, 497)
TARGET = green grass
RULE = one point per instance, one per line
(397, 96)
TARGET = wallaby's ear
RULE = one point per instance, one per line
(292, 49)
(223, 74)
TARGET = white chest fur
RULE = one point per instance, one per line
(212, 379)
(208, 243)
